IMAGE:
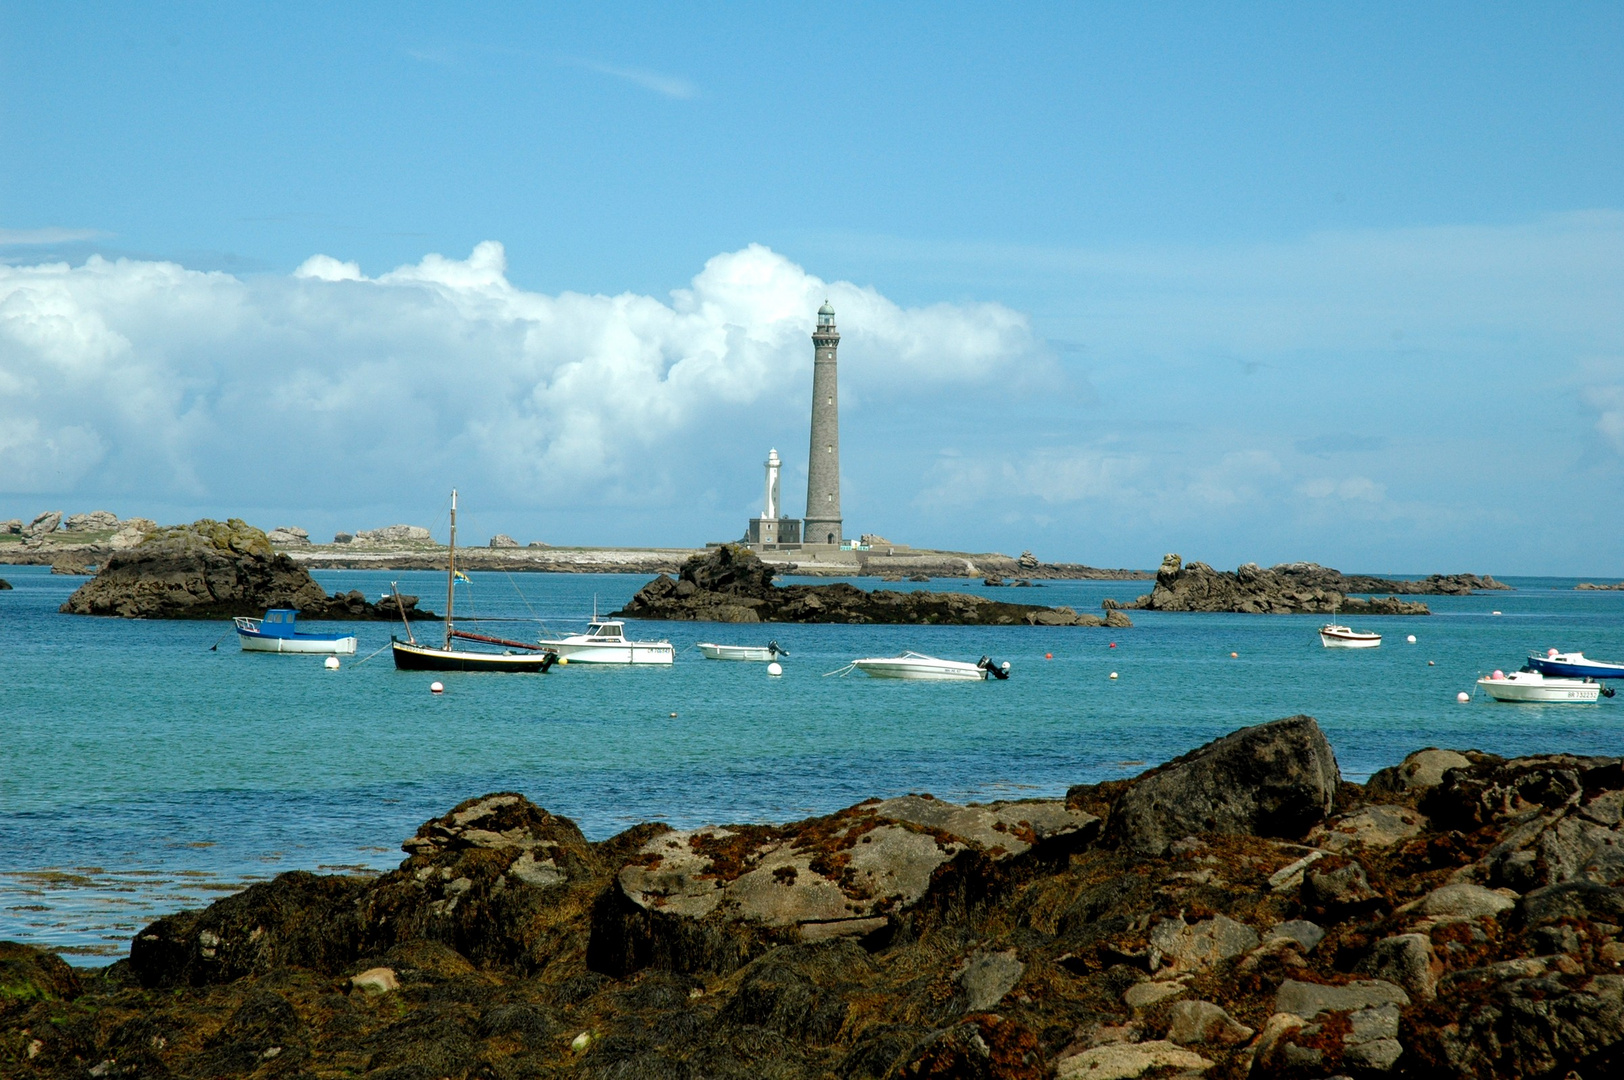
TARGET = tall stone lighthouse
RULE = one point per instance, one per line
(822, 522)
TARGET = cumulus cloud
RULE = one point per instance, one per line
(328, 386)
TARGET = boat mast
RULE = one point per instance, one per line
(451, 570)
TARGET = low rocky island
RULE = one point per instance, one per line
(731, 584)
(1293, 589)
(1239, 911)
(1592, 586)
(216, 570)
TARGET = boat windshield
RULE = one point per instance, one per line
(604, 630)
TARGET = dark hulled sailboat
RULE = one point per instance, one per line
(410, 655)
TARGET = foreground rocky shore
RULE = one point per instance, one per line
(217, 570)
(731, 584)
(1294, 589)
(1238, 911)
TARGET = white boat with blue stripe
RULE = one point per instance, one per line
(278, 632)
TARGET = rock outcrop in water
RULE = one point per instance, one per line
(213, 570)
(1461, 915)
(731, 584)
(1291, 589)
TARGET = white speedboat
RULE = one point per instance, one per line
(1532, 686)
(1333, 636)
(912, 665)
(278, 632)
(605, 642)
(767, 652)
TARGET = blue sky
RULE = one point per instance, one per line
(1248, 283)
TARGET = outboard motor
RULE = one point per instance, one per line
(991, 667)
(773, 648)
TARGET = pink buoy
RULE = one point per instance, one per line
(1498, 674)
(1550, 654)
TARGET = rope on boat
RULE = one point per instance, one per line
(842, 672)
(375, 652)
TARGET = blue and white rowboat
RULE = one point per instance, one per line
(1574, 665)
(277, 632)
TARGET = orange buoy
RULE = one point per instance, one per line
(1048, 656)
(1234, 655)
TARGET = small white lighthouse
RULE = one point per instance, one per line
(769, 530)
(771, 512)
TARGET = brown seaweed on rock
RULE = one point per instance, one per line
(1240, 911)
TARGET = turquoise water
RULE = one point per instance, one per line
(141, 772)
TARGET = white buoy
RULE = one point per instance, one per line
(1004, 667)
(1113, 675)
(436, 688)
(1431, 664)
(1411, 639)
(331, 663)
(1463, 697)
(775, 668)
(1494, 613)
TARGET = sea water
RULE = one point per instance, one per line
(143, 770)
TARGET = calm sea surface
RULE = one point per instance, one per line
(141, 772)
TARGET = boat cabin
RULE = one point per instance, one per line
(607, 631)
(279, 622)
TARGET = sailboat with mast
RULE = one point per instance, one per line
(412, 655)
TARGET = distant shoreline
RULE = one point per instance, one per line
(89, 549)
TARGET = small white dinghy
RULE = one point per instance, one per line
(1533, 686)
(912, 665)
(1334, 636)
(764, 653)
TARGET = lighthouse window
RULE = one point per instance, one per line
(829, 401)
(828, 449)
(831, 498)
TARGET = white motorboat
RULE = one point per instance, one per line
(1533, 686)
(1334, 636)
(605, 642)
(278, 632)
(1574, 665)
(912, 665)
(767, 652)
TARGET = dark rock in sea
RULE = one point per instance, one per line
(916, 938)
(731, 584)
(212, 570)
(1291, 589)
(1275, 779)
(4, 584)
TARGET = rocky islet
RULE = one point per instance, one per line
(1292, 589)
(211, 570)
(732, 584)
(911, 937)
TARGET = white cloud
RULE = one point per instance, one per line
(1608, 403)
(671, 86)
(328, 387)
(1351, 489)
(31, 237)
